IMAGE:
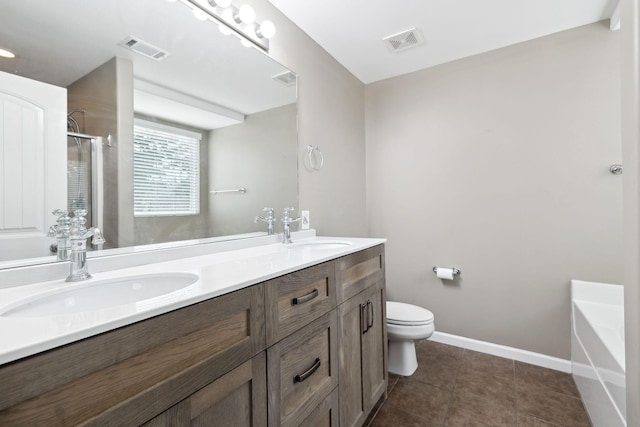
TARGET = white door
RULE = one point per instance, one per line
(33, 157)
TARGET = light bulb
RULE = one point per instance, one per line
(220, 3)
(245, 43)
(266, 30)
(200, 15)
(224, 29)
(246, 14)
(7, 53)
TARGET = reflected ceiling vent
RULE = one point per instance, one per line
(144, 48)
(404, 40)
(288, 78)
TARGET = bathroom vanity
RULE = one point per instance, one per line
(295, 336)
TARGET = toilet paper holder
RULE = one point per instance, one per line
(456, 271)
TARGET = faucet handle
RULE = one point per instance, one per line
(287, 211)
(60, 212)
(270, 213)
(52, 231)
(97, 237)
(80, 213)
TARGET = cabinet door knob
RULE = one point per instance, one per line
(306, 374)
(369, 311)
(308, 297)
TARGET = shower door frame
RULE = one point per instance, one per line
(96, 176)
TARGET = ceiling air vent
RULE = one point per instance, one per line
(404, 40)
(144, 48)
(287, 78)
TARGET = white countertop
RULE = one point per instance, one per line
(219, 273)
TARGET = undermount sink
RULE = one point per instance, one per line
(101, 295)
(320, 245)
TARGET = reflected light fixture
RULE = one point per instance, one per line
(200, 15)
(220, 3)
(240, 22)
(245, 14)
(7, 53)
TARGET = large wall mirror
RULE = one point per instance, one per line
(171, 131)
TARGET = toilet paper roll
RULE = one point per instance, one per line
(444, 273)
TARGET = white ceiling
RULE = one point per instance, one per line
(352, 30)
(204, 72)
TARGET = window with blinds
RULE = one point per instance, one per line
(166, 173)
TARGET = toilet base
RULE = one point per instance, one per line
(402, 357)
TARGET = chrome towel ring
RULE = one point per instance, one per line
(315, 158)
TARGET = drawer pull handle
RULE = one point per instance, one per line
(306, 374)
(308, 297)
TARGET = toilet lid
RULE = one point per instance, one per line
(399, 313)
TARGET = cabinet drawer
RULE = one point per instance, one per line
(326, 414)
(302, 371)
(298, 298)
(356, 272)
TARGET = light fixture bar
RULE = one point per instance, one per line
(245, 28)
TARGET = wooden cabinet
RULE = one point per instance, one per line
(363, 339)
(136, 372)
(305, 349)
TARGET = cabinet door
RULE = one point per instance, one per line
(374, 347)
(351, 327)
(237, 399)
(363, 354)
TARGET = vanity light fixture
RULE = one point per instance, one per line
(240, 21)
(7, 53)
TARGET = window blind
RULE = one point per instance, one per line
(166, 173)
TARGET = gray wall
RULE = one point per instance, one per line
(258, 154)
(330, 116)
(106, 94)
(498, 164)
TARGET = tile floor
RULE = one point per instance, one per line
(456, 387)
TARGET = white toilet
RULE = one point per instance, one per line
(405, 324)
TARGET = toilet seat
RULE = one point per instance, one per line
(401, 314)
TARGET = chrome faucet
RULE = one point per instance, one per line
(269, 218)
(78, 237)
(61, 232)
(287, 221)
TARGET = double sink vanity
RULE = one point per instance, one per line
(271, 334)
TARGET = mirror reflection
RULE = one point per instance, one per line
(156, 124)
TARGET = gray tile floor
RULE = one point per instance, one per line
(456, 387)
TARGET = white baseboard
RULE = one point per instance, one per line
(504, 351)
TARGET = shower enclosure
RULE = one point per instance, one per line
(84, 176)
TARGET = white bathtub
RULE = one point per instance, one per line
(597, 350)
